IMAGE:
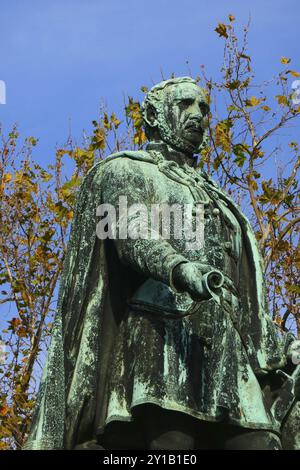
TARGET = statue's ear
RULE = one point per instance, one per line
(150, 115)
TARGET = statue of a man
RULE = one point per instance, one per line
(159, 342)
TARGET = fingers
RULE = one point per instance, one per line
(197, 291)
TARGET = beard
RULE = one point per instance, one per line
(169, 136)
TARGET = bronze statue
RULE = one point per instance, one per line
(161, 342)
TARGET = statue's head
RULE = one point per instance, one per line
(175, 112)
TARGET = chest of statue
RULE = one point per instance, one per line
(201, 225)
(209, 233)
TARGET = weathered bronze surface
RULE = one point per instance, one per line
(151, 323)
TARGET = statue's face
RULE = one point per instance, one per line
(185, 112)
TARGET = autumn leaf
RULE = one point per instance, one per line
(22, 332)
(3, 445)
(292, 288)
(282, 100)
(253, 101)
(231, 17)
(293, 73)
(285, 60)
(218, 160)
(257, 152)
(106, 123)
(239, 152)
(266, 108)
(233, 85)
(116, 122)
(222, 30)
(14, 323)
(32, 141)
(45, 176)
(98, 139)
(7, 177)
(139, 137)
(133, 111)
(70, 215)
(4, 409)
(222, 135)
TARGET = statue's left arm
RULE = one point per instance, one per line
(151, 256)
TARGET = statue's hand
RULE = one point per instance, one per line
(293, 352)
(190, 277)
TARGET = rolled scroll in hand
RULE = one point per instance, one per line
(212, 282)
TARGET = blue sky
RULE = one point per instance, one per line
(59, 58)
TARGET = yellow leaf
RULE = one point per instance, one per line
(294, 74)
(282, 100)
(139, 137)
(32, 141)
(231, 17)
(98, 140)
(106, 122)
(254, 185)
(222, 136)
(70, 215)
(45, 176)
(222, 30)
(285, 60)
(116, 122)
(233, 85)
(7, 177)
(266, 108)
(253, 101)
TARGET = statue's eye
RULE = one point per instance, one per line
(204, 108)
(186, 102)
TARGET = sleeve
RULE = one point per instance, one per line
(143, 249)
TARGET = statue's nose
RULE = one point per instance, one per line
(195, 112)
(196, 118)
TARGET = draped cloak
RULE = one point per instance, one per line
(94, 288)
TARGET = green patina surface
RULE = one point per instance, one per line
(135, 322)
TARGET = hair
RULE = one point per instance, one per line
(153, 101)
(153, 95)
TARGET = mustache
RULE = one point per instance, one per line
(194, 123)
